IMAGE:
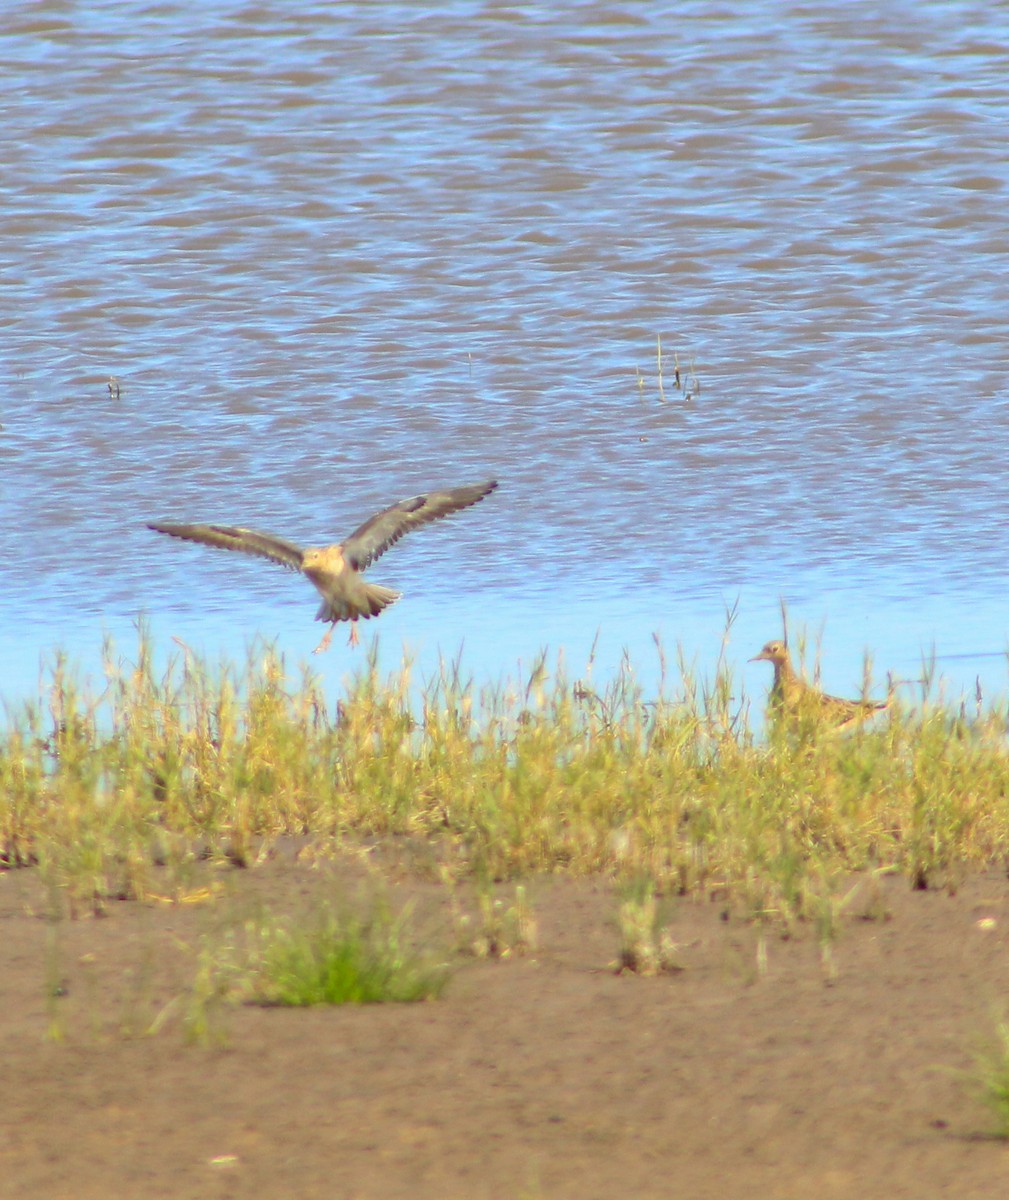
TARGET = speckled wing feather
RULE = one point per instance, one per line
(232, 537)
(386, 528)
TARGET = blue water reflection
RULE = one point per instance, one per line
(330, 255)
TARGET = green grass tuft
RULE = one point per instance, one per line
(333, 959)
(990, 1078)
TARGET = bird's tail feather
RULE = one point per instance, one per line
(368, 601)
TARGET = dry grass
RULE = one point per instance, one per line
(99, 786)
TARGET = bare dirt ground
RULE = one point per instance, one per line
(541, 1076)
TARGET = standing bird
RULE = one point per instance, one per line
(336, 570)
(793, 699)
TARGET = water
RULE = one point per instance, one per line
(332, 255)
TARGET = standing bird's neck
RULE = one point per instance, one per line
(788, 685)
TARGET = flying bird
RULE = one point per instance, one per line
(793, 699)
(336, 570)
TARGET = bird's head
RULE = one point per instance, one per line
(773, 652)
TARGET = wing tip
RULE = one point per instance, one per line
(481, 489)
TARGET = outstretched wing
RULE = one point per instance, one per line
(231, 537)
(386, 528)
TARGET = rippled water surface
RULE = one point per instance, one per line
(280, 264)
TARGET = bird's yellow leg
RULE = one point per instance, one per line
(354, 639)
(324, 644)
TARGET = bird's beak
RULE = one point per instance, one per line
(758, 658)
